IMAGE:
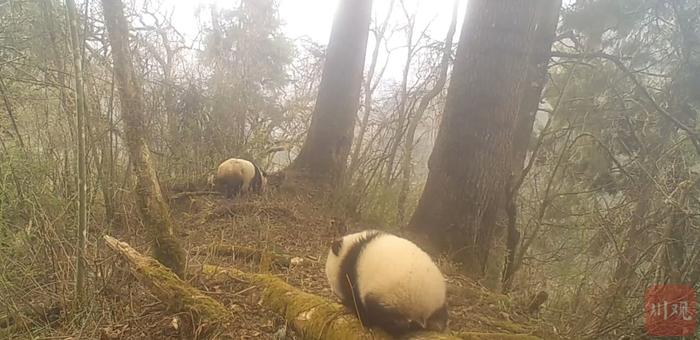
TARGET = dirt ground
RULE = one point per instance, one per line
(286, 221)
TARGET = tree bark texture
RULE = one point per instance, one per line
(325, 151)
(471, 160)
(152, 207)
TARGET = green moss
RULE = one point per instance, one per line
(314, 317)
(169, 252)
(177, 295)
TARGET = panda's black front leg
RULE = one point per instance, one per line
(387, 318)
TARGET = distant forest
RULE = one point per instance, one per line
(545, 154)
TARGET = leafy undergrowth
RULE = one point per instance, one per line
(289, 221)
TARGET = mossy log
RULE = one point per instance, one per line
(250, 254)
(312, 316)
(177, 295)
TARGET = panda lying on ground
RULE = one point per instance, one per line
(388, 281)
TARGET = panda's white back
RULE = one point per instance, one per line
(237, 168)
(402, 274)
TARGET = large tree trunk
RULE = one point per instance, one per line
(470, 163)
(153, 209)
(538, 61)
(327, 145)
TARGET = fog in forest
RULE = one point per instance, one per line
(349, 169)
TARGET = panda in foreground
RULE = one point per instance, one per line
(389, 281)
(234, 176)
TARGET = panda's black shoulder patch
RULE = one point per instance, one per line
(336, 245)
(257, 182)
(348, 273)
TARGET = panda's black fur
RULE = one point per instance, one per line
(348, 269)
(256, 184)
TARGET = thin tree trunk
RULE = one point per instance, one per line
(325, 151)
(635, 240)
(547, 19)
(82, 175)
(152, 206)
(110, 213)
(470, 163)
(402, 112)
(13, 173)
(55, 58)
(407, 167)
(369, 90)
(10, 113)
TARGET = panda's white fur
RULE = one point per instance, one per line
(389, 281)
(234, 176)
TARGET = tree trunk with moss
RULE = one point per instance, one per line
(470, 163)
(325, 151)
(152, 207)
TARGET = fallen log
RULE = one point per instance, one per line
(178, 296)
(249, 254)
(311, 316)
(194, 194)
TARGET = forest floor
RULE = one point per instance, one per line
(288, 221)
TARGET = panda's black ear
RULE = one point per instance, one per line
(335, 247)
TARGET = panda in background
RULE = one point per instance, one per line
(235, 176)
(388, 281)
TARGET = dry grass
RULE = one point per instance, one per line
(36, 287)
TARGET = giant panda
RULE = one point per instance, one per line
(234, 176)
(388, 281)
